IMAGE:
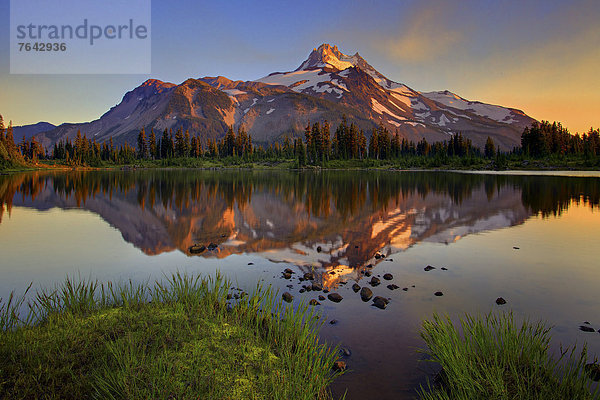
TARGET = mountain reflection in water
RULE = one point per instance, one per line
(334, 221)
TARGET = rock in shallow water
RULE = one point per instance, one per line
(500, 301)
(429, 268)
(335, 297)
(438, 293)
(355, 287)
(593, 371)
(586, 328)
(287, 297)
(380, 302)
(316, 287)
(197, 249)
(339, 365)
(393, 287)
(375, 281)
(314, 302)
(366, 294)
(388, 277)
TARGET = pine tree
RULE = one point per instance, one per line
(164, 144)
(142, 144)
(490, 149)
(152, 145)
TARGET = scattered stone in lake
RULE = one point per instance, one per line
(314, 302)
(444, 269)
(405, 289)
(287, 275)
(302, 290)
(321, 297)
(516, 248)
(250, 263)
(586, 322)
(344, 351)
(438, 294)
(390, 259)
(366, 294)
(288, 271)
(356, 287)
(333, 322)
(301, 279)
(388, 277)
(586, 328)
(593, 371)
(335, 297)
(287, 297)
(319, 249)
(309, 276)
(369, 266)
(500, 301)
(429, 268)
(380, 302)
(307, 288)
(212, 246)
(339, 365)
(368, 273)
(393, 287)
(290, 286)
(325, 290)
(197, 249)
(317, 287)
(375, 281)
(378, 256)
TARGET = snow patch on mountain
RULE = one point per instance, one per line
(297, 80)
(380, 109)
(270, 111)
(450, 99)
(234, 92)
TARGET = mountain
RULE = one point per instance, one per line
(326, 86)
(28, 131)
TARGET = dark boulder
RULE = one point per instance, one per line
(287, 297)
(335, 297)
(366, 294)
(309, 276)
(584, 328)
(375, 281)
(380, 302)
(317, 287)
(356, 287)
(197, 249)
(429, 268)
(593, 371)
(438, 293)
(314, 302)
(388, 277)
(339, 365)
(392, 287)
(500, 301)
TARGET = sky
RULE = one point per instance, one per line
(538, 56)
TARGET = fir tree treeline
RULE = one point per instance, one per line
(545, 138)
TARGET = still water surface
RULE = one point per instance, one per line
(532, 240)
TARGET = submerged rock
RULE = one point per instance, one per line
(380, 302)
(333, 322)
(500, 301)
(335, 297)
(375, 281)
(429, 268)
(314, 302)
(584, 328)
(444, 269)
(197, 249)
(356, 287)
(366, 294)
(368, 273)
(288, 271)
(319, 249)
(388, 277)
(344, 351)
(392, 287)
(321, 297)
(593, 371)
(339, 365)
(317, 287)
(287, 297)
(287, 275)
(309, 276)
(438, 293)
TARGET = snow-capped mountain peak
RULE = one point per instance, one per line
(327, 56)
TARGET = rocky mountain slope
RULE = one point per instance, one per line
(327, 86)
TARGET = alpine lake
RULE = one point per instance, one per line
(531, 238)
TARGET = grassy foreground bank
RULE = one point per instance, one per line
(494, 358)
(181, 339)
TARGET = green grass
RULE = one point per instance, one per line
(177, 339)
(494, 358)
